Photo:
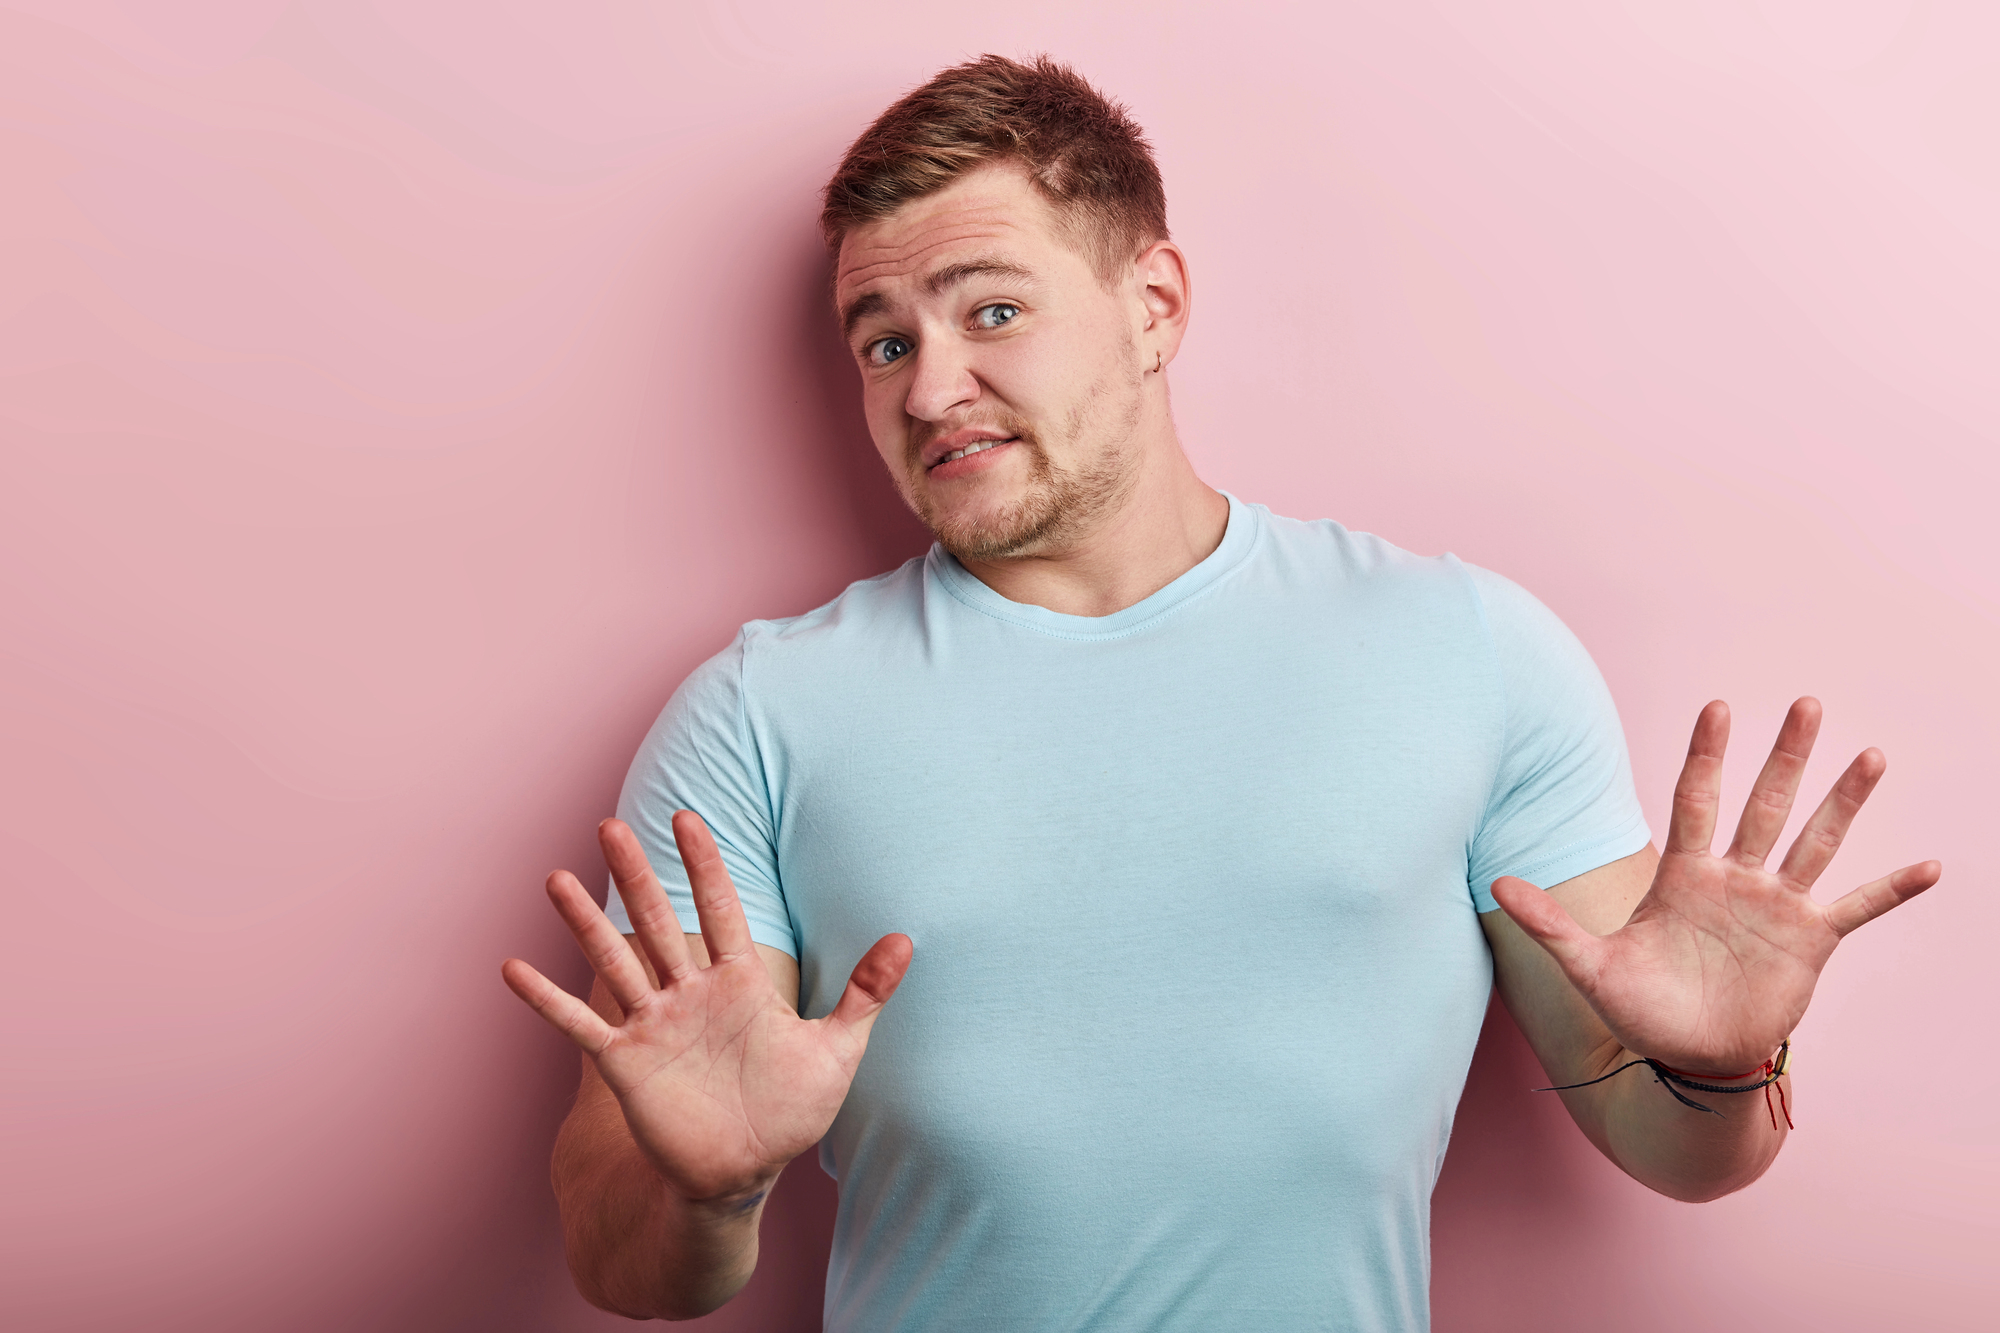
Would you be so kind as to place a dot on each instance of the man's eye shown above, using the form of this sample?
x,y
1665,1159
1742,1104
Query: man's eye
x,y
993,316
884,350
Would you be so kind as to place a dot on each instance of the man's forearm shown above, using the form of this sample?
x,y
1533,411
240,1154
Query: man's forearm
x,y
1674,1149
1634,1121
635,1247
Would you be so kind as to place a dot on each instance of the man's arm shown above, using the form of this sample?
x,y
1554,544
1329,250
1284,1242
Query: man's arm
x,y
1702,961
702,1081
634,1246
1632,1119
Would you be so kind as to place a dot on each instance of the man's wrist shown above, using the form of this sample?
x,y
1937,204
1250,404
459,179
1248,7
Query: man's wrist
x,y
1705,1076
1772,1066
736,1204
728,1204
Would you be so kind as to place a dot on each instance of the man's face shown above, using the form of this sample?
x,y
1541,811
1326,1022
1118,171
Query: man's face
x,y
1002,378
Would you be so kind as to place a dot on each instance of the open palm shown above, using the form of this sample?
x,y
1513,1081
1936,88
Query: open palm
x,y
1717,963
720,1080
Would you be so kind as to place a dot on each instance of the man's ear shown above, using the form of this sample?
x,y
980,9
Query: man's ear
x,y
1162,275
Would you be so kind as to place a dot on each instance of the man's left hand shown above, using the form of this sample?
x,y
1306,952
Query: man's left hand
x,y
1717,963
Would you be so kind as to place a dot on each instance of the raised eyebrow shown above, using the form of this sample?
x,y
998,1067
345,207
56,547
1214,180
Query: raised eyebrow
x,y
874,303
953,274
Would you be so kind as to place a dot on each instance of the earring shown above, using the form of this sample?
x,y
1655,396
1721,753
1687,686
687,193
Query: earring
x,y
1158,362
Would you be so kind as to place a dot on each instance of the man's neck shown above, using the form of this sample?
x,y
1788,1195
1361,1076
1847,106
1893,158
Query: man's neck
x,y
1169,522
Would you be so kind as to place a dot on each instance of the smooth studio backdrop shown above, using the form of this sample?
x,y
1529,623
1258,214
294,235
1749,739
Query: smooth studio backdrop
x,y
398,399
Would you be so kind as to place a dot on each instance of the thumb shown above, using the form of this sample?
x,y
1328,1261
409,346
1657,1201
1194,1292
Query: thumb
x,y
870,985
1577,952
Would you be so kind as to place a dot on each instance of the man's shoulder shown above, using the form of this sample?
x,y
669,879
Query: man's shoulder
x,y
866,611
1327,553
822,644
1432,599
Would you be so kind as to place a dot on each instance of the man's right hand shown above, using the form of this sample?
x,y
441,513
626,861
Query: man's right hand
x,y
720,1081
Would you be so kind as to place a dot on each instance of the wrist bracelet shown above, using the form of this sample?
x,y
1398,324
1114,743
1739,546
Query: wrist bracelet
x,y
1668,1077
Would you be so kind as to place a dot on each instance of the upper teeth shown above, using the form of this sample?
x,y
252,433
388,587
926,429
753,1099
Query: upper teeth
x,y
980,447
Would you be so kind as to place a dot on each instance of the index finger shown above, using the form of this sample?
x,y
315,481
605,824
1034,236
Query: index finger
x,y
723,928
1691,828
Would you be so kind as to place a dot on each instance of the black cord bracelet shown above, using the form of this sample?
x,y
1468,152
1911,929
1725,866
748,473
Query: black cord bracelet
x,y
1673,1080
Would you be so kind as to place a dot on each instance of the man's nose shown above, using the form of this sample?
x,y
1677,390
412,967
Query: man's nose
x,y
942,380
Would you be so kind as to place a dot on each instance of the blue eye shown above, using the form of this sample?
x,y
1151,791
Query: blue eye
x,y
884,350
993,316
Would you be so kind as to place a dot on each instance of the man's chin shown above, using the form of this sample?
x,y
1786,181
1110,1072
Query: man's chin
x,y
1013,528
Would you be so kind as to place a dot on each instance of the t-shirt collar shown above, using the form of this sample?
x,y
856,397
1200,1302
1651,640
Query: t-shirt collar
x,y
1238,539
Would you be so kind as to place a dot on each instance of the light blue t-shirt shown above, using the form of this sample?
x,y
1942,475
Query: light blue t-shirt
x,y
1193,889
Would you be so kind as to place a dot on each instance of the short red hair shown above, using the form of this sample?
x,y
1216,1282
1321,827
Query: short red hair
x,y
1082,150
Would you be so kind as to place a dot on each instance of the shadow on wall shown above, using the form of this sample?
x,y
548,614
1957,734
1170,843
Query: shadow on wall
x,y
1520,1185
504,1269
786,1293
856,482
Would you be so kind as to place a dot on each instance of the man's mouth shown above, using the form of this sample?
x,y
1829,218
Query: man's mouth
x,y
976,447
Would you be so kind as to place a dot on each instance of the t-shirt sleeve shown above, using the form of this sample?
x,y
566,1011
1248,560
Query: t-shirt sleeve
x,y
1562,801
701,756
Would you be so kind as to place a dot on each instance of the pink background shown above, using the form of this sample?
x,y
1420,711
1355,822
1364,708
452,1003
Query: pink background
x,y
398,399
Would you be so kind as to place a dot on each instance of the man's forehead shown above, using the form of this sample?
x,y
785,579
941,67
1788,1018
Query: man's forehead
x,y
920,248
995,209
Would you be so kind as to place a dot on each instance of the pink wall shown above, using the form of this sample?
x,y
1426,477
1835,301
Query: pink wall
x,y
397,400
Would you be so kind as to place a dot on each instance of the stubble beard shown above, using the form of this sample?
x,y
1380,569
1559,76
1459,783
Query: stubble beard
x,y
1058,504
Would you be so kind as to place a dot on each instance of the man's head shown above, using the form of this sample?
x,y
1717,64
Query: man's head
x,y
1005,281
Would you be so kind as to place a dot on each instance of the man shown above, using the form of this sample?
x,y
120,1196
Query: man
x,y
1193,837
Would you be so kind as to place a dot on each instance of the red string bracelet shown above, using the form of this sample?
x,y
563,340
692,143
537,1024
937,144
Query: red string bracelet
x,y
1766,1074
